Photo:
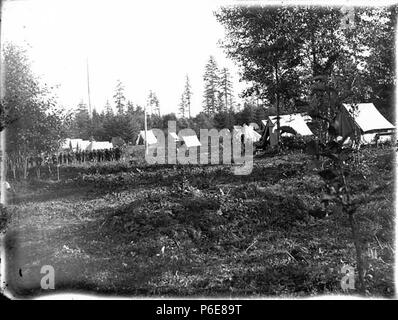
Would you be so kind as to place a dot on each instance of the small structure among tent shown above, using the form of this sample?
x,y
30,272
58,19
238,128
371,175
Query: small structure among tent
x,y
363,122
83,145
74,144
71,144
307,118
236,131
290,124
118,142
174,136
99,145
247,132
254,125
151,138
191,141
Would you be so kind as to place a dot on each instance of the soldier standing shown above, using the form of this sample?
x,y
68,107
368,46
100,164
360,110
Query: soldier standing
x,y
117,153
78,158
54,159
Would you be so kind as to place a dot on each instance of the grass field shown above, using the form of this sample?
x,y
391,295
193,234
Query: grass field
x,y
123,229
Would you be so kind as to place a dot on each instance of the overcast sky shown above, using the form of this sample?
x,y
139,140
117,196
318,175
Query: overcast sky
x,y
148,45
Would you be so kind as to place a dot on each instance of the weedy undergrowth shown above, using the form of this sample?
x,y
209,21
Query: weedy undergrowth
x,y
335,163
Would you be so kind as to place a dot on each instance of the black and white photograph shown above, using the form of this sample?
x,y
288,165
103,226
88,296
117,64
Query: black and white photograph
x,y
197,150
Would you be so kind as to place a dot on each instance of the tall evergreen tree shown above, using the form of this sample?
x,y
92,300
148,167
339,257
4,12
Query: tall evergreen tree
x,y
130,107
81,126
211,80
153,103
108,109
119,98
182,106
226,91
97,121
187,96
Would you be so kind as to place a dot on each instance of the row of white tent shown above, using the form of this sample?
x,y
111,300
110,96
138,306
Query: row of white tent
x,y
85,145
361,120
366,121
246,131
189,141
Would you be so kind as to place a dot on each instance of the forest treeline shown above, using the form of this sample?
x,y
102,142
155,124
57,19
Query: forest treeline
x,y
293,59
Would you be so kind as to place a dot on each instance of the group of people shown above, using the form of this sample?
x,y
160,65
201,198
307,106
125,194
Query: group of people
x,y
70,157
19,166
73,157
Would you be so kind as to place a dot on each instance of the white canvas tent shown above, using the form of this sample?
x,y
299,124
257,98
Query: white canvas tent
x,y
74,143
151,138
237,131
290,121
84,144
191,141
254,125
306,118
363,120
99,145
77,144
174,136
368,118
248,133
295,121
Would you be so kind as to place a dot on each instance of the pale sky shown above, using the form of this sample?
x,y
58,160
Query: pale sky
x,y
148,45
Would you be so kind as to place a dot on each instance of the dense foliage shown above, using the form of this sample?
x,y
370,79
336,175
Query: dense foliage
x,y
37,125
282,49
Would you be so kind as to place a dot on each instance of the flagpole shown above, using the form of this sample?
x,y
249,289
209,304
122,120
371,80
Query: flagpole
x,y
88,89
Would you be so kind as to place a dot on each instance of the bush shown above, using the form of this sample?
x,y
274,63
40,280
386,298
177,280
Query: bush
x,y
293,143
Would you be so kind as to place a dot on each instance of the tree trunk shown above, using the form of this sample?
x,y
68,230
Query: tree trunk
x,y
277,108
355,236
358,249
278,124
13,168
25,168
38,172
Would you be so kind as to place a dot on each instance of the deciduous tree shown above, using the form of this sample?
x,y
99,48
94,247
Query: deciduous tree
x,y
39,125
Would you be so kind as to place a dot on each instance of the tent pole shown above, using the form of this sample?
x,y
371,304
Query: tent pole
x,y
277,108
3,167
